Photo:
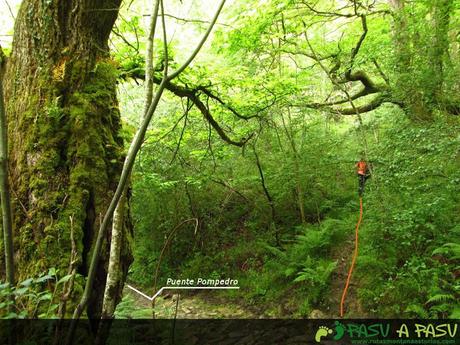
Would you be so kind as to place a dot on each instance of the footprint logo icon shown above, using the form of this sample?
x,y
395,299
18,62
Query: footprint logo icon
x,y
322,332
339,330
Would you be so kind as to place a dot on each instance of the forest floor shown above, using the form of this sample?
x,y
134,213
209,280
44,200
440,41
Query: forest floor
x,y
188,307
199,306
343,255
207,305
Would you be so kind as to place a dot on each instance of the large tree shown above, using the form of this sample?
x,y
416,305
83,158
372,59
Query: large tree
x,y
66,152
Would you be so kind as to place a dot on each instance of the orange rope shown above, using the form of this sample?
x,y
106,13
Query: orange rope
x,y
355,255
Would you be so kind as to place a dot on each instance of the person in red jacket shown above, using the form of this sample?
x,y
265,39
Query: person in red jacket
x,y
362,169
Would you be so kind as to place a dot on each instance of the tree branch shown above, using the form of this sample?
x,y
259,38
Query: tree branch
x,y
199,46
189,20
207,115
372,105
326,13
349,76
192,95
149,57
211,95
185,116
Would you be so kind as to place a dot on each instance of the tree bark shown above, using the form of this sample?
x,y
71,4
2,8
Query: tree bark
x,y
4,184
66,150
439,50
421,56
114,286
128,164
296,164
268,196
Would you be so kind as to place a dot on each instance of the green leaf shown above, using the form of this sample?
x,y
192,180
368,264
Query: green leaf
x,y
418,310
65,279
44,278
46,297
11,315
22,314
27,282
455,314
21,291
52,271
4,286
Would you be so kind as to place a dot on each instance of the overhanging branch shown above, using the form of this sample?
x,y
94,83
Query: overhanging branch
x,y
213,96
193,96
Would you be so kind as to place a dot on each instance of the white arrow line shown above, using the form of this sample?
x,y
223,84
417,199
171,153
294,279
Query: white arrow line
x,y
181,287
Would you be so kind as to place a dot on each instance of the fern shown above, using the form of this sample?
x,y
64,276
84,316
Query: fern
x,y
274,251
317,275
451,250
418,310
455,313
440,298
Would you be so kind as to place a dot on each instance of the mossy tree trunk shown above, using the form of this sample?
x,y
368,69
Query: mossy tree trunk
x,y
66,151
439,50
422,55
5,198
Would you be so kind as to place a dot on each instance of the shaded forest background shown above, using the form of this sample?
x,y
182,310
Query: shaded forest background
x,y
247,169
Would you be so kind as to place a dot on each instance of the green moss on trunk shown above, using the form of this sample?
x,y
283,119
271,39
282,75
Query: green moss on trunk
x,y
66,152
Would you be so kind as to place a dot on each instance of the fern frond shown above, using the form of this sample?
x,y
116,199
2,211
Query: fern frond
x,y
450,250
440,298
418,310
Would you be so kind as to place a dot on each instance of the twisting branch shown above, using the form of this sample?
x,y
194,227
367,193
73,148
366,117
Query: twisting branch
x,y
193,96
334,81
372,105
369,87
210,94
359,94
207,115
359,75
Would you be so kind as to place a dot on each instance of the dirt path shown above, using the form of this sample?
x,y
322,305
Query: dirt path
x,y
353,307
188,307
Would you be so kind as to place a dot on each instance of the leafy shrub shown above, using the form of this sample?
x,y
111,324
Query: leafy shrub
x,y
32,297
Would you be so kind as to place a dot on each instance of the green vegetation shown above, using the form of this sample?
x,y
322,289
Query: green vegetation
x,y
291,250
247,170
404,267
31,300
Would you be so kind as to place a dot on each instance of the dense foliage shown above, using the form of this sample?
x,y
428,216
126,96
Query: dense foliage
x,y
248,169
279,213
